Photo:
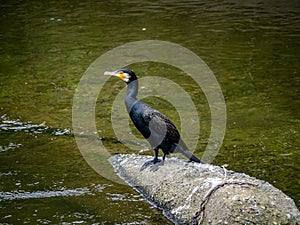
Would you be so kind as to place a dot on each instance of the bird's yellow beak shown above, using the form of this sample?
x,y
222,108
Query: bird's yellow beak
x,y
115,73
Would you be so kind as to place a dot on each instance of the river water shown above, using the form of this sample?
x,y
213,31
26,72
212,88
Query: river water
x,y
252,47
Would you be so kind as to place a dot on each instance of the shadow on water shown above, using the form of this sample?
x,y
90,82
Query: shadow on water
x,y
252,47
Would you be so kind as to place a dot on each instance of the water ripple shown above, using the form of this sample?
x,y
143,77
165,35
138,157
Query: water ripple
x,y
10,146
7,124
14,195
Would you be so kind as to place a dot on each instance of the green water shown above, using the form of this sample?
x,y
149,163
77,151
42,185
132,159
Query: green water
x,y
252,48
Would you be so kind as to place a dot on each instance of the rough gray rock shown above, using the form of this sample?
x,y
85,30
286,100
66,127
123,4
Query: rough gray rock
x,y
190,193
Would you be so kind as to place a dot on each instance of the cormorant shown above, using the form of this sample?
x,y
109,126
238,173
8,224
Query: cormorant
x,y
159,131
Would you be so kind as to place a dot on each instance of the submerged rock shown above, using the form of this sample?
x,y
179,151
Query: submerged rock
x,y
191,193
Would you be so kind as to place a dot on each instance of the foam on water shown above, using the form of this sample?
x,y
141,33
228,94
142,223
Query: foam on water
x,y
63,192
7,124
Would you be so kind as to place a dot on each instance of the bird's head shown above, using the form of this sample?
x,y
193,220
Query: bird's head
x,y
125,74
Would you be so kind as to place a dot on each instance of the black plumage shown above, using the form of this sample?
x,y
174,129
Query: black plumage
x,y
159,131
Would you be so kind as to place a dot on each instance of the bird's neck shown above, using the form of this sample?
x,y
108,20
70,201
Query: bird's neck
x,y
132,89
130,98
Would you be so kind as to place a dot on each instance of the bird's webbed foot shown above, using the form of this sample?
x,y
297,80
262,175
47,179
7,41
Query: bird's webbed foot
x,y
154,164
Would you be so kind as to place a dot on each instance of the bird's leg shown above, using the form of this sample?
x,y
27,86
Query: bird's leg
x,y
164,157
155,166
152,162
155,160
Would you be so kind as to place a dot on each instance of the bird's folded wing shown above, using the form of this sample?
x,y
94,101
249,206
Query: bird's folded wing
x,y
160,124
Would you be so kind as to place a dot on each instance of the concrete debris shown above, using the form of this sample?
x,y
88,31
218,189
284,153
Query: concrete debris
x,y
191,193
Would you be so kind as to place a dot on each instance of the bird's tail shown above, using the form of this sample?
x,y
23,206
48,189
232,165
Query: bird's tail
x,y
183,149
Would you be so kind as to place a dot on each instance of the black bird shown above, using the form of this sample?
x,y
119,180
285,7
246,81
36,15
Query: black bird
x,y
159,131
